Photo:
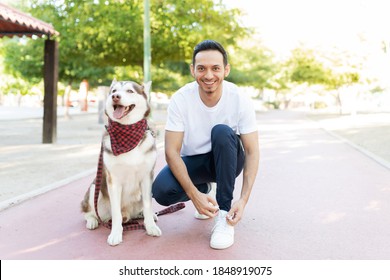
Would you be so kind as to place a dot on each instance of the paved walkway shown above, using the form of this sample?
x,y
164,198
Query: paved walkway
x,y
369,133
32,168
316,197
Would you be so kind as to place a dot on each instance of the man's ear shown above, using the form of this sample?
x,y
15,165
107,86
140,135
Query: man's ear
x,y
227,70
192,70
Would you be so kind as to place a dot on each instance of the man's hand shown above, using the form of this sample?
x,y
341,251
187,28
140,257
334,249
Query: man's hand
x,y
205,204
236,212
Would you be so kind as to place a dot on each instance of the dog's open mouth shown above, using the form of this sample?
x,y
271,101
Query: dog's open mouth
x,y
121,111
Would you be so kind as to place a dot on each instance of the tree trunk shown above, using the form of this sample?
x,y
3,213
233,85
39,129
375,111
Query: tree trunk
x,y
84,87
68,89
338,98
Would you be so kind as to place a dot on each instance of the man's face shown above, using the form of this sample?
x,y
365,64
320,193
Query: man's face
x,y
209,71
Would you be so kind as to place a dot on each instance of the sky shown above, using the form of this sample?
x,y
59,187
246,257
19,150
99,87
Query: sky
x,y
283,24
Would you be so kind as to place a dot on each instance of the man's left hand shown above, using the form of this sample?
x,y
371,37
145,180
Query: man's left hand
x,y
236,212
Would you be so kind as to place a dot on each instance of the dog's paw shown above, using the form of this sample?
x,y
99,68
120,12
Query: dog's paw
x,y
92,223
114,238
153,230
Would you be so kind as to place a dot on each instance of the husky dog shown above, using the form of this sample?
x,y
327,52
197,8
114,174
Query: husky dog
x,y
127,172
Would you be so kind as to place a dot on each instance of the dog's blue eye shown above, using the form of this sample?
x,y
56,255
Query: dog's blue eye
x,y
114,90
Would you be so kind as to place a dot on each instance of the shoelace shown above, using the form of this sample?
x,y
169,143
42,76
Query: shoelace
x,y
220,224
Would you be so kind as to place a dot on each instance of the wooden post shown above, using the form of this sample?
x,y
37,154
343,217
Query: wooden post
x,y
50,98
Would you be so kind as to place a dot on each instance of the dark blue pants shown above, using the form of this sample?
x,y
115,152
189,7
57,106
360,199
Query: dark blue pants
x,y
222,165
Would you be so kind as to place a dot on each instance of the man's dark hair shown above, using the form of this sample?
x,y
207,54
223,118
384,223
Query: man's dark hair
x,y
210,45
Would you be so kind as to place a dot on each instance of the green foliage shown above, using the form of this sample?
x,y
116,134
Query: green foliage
x,y
103,39
177,26
281,81
168,81
99,37
167,78
305,68
252,65
337,80
377,89
129,73
24,58
19,86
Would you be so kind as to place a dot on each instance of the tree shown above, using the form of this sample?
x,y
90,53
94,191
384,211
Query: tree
x,y
302,68
97,37
177,26
252,65
331,70
306,68
342,77
14,81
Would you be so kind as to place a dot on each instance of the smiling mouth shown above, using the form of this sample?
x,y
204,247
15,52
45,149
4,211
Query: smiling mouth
x,y
121,111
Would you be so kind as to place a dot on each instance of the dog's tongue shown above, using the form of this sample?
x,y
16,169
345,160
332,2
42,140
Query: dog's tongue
x,y
119,112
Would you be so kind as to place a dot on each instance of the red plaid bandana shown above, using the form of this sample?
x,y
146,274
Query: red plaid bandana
x,y
124,138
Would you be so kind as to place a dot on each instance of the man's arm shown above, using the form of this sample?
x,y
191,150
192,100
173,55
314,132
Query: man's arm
x,y
173,142
250,142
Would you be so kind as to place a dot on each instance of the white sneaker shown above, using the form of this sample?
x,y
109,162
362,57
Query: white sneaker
x,y
212,193
200,216
222,235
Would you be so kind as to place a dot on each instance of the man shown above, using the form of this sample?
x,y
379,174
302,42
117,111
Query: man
x,y
210,136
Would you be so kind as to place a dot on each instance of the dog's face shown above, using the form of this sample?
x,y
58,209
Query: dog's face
x,y
127,102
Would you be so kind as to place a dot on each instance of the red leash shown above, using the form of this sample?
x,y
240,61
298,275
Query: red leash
x,y
136,224
132,224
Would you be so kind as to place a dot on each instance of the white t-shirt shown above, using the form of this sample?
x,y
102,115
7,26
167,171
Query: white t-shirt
x,y
187,113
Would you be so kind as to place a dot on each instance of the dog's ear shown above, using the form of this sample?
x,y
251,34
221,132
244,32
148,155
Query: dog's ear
x,y
147,86
113,83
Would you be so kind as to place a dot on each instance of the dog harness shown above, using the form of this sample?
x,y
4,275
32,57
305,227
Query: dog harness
x,y
124,138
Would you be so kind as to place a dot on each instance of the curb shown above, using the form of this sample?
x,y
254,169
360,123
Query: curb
x,y
362,150
369,154
21,198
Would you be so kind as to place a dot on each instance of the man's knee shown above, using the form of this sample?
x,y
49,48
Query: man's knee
x,y
222,134
165,191
160,195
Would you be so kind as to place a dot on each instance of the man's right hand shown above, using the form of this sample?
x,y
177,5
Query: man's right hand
x,y
205,204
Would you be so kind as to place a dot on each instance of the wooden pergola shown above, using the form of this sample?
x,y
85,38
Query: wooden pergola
x,y
16,23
